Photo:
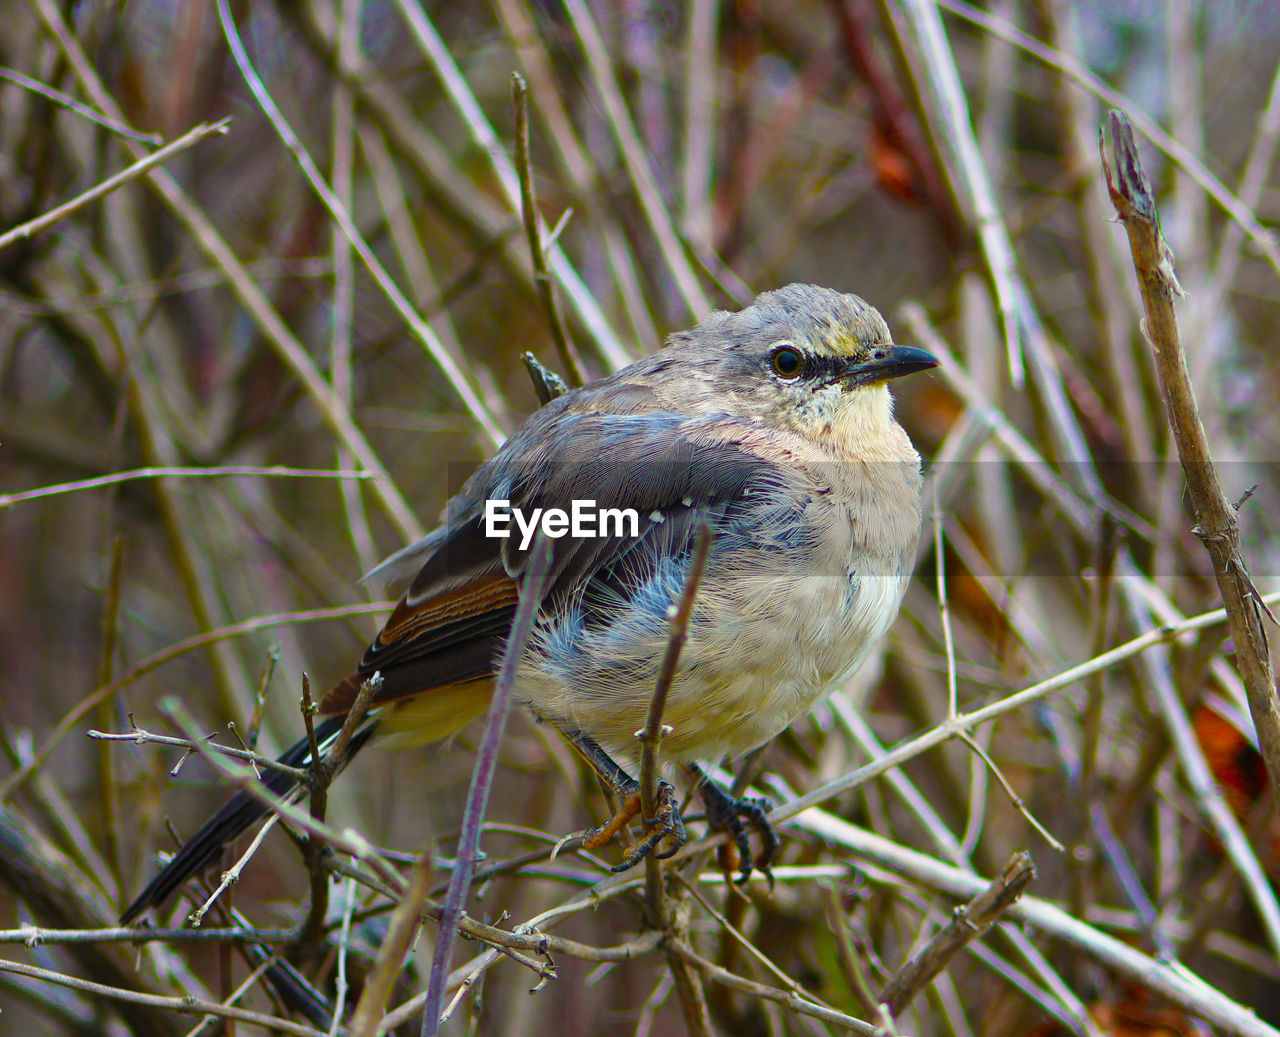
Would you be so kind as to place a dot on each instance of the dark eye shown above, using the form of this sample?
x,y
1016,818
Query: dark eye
x,y
787,362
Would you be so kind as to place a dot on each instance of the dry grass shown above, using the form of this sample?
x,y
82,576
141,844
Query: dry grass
x,y
348,289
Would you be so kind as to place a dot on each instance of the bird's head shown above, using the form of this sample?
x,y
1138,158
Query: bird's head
x,y
812,360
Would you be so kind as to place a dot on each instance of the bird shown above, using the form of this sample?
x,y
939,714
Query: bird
x,y
773,428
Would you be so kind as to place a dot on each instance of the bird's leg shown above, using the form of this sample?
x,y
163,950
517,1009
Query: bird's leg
x,y
734,814
667,826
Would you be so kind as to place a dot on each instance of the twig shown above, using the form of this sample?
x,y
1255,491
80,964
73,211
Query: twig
x,y
320,774
975,185
855,976
347,841
1017,800
109,791
546,383
179,648
1144,601
260,699
533,231
634,159
141,737
1216,523
232,875
944,607
401,930
790,1000
246,289
969,923
53,889
112,183
532,589
337,757
342,174
736,935
652,734
7,500
699,97
965,721
1257,170
311,931
1259,236
420,329
693,999
83,110
580,167
435,49
1163,978
186,1005
340,984
34,935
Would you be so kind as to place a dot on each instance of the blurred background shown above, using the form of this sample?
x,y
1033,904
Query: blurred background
x,y
939,160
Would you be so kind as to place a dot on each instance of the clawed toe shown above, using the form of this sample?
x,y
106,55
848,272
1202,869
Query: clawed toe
x,y
666,827
735,815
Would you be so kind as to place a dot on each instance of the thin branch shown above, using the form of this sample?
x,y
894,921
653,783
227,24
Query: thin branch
x,y
186,1005
651,735
232,875
855,975
1216,523
438,53
1167,979
246,289
1259,236
533,231
967,925
319,775
112,183
1017,800
792,1001
401,931
83,110
532,589
274,472
638,166
420,329
966,721
347,841
34,935
975,184
179,648
141,737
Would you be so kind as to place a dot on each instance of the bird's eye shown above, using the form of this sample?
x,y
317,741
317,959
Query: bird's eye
x,y
787,362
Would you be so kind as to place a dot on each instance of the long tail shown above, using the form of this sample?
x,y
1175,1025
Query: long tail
x,y
239,813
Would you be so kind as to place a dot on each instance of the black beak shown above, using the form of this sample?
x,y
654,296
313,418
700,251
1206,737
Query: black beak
x,y
888,362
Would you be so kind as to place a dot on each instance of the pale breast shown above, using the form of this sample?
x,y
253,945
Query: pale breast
x,y
778,622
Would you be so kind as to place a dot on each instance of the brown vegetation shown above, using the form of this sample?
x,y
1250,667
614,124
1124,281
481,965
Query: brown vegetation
x,y
279,346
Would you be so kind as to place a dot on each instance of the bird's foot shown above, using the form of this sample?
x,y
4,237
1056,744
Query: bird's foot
x,y
666,827
735,815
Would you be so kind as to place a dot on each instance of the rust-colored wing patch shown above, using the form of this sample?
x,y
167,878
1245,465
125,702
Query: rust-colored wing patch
x,y
447,639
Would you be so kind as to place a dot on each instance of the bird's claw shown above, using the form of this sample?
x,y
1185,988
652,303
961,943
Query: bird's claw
x,y
666,826
734,815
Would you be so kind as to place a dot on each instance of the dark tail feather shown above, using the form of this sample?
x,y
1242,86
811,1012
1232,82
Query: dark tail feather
x,y
241,812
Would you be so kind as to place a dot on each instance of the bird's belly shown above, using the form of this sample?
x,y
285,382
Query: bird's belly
x,y
761,653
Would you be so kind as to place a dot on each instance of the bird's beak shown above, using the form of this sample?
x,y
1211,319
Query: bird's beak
x,y
888,362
